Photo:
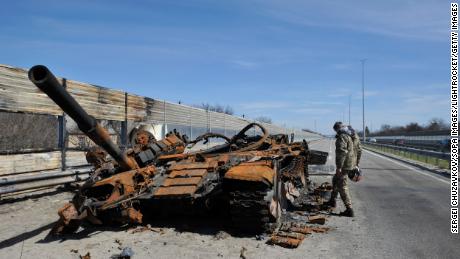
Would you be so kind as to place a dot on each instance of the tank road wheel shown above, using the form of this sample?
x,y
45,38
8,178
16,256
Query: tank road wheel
x,y
253,207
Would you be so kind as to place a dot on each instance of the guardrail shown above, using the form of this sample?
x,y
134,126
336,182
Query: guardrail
x,y
430,153
419,140
440,158
44,179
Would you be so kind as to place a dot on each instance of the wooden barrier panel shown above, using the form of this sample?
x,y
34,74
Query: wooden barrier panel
x,y
23,163
18,94
75,158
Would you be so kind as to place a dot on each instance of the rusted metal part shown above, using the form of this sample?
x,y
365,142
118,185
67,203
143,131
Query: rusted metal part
x,y
134,216
188,173
290,173
286,242
96,156
291,235
101,137
143,138
130,180
147,228
303,228
256,172
249,176
252,146
174,142
192,165
208,136
68,220
114,190
256,176
317,219
173,157
175,191
182,181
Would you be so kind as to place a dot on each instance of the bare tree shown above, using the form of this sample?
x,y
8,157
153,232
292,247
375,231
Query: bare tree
x,y
264,119
215,108
413,127
229,110
437,124
433,124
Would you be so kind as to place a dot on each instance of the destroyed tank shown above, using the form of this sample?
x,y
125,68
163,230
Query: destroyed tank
x,y
252,179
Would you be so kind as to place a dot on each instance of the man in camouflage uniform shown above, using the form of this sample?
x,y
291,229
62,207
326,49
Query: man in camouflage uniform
x,y
356,144
345,160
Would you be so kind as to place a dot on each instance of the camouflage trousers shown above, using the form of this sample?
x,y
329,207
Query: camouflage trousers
x,y
339,185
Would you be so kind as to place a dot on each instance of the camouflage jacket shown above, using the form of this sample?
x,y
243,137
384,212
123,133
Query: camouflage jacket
x,y
357,147
345,157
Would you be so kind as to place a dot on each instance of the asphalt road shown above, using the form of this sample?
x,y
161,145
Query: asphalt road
x,y
401,212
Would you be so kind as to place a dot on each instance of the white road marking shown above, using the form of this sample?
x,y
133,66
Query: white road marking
x,y
408,167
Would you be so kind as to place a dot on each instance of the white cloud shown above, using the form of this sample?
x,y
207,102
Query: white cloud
x,y
325,103
244,63
367,93
312,111
264,105
409,19
343,66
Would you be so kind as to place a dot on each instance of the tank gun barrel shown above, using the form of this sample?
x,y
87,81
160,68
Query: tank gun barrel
x,y
42,77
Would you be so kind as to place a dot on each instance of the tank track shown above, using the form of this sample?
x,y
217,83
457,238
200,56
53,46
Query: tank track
x,y
250,207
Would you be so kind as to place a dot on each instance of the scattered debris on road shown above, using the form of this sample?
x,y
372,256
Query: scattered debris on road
x,y
127,253
291,235
221,235
256,180
317,219
242,253
139,229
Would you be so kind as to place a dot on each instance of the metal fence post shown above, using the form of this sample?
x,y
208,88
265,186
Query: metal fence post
x,y
165,130
190,117
210,121
124,126
225,124
62,134
62,140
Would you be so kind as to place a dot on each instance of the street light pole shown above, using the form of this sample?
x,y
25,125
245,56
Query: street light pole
x,y
362,84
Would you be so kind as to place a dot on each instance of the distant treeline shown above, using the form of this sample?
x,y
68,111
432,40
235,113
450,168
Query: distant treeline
x,y
434,124
228,110
215,108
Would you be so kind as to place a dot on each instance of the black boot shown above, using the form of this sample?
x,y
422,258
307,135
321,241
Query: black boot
x,y
347,213
331,203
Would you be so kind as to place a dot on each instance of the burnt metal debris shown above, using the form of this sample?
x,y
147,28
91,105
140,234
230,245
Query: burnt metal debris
x,y
253,179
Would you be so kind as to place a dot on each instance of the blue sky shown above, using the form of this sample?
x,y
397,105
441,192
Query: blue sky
x,y
294,61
